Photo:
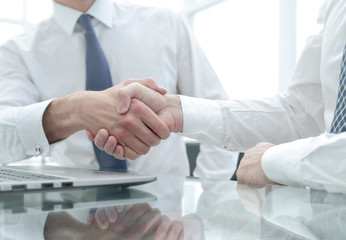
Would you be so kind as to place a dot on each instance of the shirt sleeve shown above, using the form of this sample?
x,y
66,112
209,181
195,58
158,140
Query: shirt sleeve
x,y
21,110
196,78
317,162
241,124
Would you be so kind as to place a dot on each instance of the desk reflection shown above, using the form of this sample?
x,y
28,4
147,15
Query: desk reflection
x,y
296,213
174,208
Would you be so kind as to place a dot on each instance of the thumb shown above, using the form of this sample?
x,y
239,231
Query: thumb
x,y
153,99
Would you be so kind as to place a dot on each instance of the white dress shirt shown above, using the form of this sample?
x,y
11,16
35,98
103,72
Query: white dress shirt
x,y
138,42
305,110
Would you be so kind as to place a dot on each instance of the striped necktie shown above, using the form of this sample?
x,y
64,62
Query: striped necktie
x,y
98,78
339,120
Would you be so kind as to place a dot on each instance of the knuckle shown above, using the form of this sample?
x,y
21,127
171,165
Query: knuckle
x,y
164,131
118,154
150,81
145,150
136,106
133,156
155,142
145,206
121,92
98,144
128,82
123,134
108,151
128,122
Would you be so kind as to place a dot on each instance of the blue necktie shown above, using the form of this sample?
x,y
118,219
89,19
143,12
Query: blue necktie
x,y
339,120
98,78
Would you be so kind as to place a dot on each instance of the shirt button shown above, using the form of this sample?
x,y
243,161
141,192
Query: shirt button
x,y
38,150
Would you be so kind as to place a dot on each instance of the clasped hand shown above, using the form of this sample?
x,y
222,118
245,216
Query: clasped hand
x,y
142,117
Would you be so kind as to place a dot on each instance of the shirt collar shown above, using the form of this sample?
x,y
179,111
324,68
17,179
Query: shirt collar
x,y
67,17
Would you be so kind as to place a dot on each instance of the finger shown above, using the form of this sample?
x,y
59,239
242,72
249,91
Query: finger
x,y
135,90
130,154
151,127
110,145
150,83
90,135
101,138
142,129
157,126
125,94
101,218
112,214
133,214
153,122
175,231
130,141
149,221
119,152
120,208
91,219
162,230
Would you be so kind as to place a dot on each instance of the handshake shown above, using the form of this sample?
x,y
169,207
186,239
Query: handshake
x,y
128,119
125,120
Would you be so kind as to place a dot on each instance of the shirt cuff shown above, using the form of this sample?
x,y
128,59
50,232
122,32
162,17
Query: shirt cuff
x,y
30,129
281,163
200,115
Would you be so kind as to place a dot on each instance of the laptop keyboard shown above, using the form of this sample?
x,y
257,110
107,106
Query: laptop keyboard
x,y
10,175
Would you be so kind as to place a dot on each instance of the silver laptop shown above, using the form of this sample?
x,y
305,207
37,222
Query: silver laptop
x,y
23,178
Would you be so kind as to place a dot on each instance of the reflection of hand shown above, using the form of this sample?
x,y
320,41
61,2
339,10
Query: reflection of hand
x,y
139,128
105,216
168,109
138,221
61,225
252,197
250,169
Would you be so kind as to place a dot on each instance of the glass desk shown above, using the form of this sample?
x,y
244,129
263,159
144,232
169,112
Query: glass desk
x,y
174,208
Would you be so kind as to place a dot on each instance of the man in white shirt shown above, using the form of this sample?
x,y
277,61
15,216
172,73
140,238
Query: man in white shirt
x,y
298,122
44,106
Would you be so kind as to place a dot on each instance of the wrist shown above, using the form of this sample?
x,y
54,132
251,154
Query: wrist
x,y
174,107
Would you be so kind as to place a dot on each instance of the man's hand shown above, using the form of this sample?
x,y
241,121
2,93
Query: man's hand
x,y
250,168
167,107
136,130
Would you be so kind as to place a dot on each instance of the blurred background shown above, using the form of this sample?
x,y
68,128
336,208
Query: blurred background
x,y
253,45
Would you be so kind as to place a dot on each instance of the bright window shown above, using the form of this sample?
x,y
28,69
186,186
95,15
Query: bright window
x,y
242,45
241,38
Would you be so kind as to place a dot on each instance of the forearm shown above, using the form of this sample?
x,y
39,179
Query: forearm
x,y
241,124
313,162
62,117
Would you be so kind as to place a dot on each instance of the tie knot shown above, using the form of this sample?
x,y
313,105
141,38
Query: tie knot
x,y
85,22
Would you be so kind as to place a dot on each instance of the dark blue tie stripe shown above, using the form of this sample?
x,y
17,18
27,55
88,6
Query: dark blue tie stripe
x,y
98,78
339,121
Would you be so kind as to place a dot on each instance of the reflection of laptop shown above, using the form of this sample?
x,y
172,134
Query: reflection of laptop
x,y
21,178
36,202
